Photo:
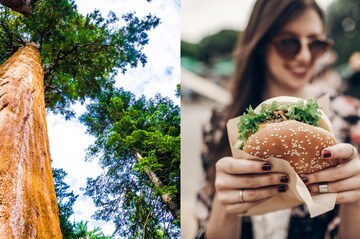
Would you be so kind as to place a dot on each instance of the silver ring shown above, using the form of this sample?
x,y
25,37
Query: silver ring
x,y
353,152
242,196
323,188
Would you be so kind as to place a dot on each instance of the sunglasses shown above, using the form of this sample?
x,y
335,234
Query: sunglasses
x,y
289,47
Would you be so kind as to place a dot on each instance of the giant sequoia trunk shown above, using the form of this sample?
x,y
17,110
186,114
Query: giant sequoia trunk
x,y
28,206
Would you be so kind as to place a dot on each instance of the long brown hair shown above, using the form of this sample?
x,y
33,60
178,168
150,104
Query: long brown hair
x,y
267,19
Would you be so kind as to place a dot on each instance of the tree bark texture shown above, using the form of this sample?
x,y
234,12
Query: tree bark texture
x,y
28,206
166,198
21,6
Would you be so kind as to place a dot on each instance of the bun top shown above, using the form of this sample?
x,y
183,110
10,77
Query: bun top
x,y
324,121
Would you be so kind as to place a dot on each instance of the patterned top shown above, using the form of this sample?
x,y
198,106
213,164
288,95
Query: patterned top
x,y
345,116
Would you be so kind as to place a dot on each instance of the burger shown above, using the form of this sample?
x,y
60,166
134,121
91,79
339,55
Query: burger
x,y
289,128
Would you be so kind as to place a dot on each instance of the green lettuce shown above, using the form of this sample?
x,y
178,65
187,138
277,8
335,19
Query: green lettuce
x,y
250,121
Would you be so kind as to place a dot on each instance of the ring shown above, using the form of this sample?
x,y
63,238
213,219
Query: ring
x,y
353,152
242,196
323,188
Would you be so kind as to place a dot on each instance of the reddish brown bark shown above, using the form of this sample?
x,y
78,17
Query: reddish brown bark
x,y
22,6
28,206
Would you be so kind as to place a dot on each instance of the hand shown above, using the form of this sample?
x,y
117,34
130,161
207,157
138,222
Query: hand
x,y
253,177
343,179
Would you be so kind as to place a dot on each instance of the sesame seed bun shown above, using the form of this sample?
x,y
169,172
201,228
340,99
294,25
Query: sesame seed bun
x,y
299,143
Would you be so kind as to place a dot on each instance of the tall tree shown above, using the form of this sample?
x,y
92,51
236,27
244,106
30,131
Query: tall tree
x,y
80,54
27,196
138,145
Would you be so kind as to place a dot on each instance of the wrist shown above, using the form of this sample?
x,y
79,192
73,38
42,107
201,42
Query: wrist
x,y
223,224
351,206
350,216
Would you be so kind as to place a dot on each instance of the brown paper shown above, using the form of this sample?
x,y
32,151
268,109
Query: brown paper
x,y
324,102
297,192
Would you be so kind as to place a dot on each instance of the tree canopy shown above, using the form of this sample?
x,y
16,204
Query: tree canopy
x,y
138,146
137,140
81,54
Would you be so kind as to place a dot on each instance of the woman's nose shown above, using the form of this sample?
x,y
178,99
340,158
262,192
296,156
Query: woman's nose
x,y
304,54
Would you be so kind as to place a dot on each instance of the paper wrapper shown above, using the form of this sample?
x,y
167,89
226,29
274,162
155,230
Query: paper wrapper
x,y
297,192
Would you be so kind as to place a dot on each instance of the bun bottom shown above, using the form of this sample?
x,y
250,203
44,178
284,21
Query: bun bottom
x,y
299,143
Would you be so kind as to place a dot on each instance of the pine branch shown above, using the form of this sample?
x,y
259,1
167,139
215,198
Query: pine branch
x,y
175,211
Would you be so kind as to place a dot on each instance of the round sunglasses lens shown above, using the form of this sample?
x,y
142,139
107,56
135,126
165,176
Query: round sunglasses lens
x,y
317,48
288,48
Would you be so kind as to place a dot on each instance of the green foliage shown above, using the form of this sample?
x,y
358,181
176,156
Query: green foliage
x,y
66,200
80,54
343,18
136,138
211,48
212,55
218,45
189,49
178,90
81,231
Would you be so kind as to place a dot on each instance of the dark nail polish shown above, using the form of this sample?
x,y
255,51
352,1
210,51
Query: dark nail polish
x,y
284,179
266,167
326,153
282,188
304,179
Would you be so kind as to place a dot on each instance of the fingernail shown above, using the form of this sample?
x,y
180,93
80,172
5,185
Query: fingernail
x,y
284,179
282,188
266,167
326,153
304,179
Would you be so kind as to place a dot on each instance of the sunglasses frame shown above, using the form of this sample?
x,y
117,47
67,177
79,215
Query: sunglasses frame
x,y
328,43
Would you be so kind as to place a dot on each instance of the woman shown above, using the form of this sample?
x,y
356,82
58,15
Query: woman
x,y
275,56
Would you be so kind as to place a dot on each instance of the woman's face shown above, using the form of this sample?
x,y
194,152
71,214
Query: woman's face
x,y
292,73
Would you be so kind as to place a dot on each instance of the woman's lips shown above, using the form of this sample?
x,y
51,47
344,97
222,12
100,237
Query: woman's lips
x,y
298,72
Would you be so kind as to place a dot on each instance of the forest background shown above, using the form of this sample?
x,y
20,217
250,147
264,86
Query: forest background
x,y
134,139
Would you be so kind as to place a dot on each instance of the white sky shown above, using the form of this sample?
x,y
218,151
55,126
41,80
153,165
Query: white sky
x,y
200,18
68,140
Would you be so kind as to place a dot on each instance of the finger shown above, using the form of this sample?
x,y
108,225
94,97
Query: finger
x,y
348,184
348,197
230,181
332,174
242,166
241,208
344,152
249,195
